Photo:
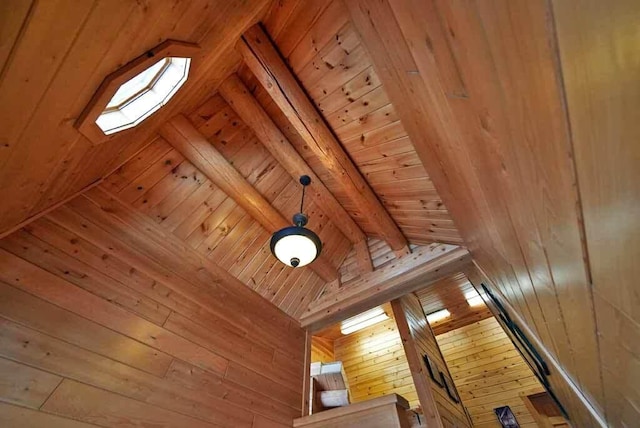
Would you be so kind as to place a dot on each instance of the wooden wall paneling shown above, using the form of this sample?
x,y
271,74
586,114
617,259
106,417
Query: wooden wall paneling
x,y
264,61
96,406
502,220
65,295
14,15
78,364
597,59
450,293
26,386
45,244
375,363
561,384
334,17
399,86
143,160
380,254
405,275
552,204
136,261
48,79
21,417
116,219
183,135
25,309
418,340
322,350
113,360
287,21
213,386
471,354
298,23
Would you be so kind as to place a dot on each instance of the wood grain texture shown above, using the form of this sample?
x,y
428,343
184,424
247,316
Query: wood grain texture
x,y
375,363
418,340
488,372
598,59
389,411
450,293
336,73
192,144
500,165
184,202
252,113
266,64
211,362
395,279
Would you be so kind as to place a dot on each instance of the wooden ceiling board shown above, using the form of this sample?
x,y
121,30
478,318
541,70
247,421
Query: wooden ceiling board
x,y
449,293
500,154
41,95
161,184
335,70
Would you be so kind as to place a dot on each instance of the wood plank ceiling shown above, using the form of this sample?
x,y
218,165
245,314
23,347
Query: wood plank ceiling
x,y
151,172
508,105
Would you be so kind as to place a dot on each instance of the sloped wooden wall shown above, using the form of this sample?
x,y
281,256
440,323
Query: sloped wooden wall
x,y
375,363
488,372
108,320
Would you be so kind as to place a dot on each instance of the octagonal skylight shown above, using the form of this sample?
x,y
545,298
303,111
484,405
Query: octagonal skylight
x,y
142,95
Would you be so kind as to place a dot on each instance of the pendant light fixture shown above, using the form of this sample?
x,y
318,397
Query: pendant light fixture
x,y
297,246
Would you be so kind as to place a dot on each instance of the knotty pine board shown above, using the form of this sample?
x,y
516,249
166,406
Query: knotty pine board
x,y
198,348
471,353
375,363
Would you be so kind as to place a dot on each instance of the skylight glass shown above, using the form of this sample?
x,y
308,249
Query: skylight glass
x,y
144,94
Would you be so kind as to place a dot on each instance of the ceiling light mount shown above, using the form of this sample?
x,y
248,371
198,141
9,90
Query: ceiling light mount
x,y
297,246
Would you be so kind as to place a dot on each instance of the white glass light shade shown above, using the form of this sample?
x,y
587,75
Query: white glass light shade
x,y
295,243
143,95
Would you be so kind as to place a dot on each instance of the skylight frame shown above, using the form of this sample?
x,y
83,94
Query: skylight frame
x,y
166,64
86,122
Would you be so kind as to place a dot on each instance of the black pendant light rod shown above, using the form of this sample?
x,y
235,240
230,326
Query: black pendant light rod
x,y
305,180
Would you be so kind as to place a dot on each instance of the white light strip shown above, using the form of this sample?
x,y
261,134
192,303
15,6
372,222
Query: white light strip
x,y
438,316
364,324
362,317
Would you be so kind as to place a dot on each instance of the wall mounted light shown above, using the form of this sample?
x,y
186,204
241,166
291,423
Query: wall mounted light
x,y
297,246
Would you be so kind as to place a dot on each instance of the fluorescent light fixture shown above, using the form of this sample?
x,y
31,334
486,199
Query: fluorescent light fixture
x,y
473,298
365,319
438,316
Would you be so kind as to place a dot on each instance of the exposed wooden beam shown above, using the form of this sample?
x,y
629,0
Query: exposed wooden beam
x,y
265,62
395,279
255,117
182,135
